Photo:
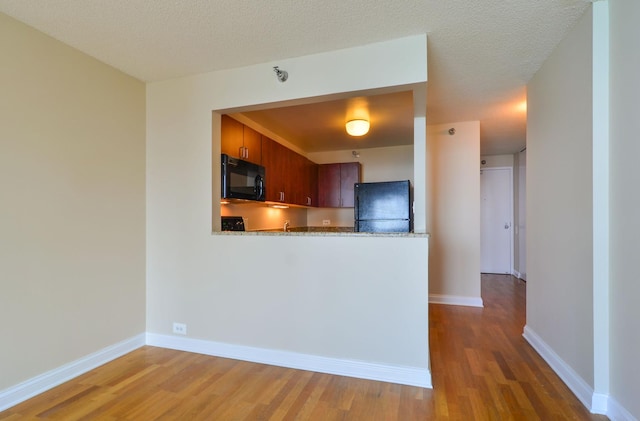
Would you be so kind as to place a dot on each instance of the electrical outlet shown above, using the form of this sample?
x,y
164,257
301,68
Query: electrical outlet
x,y
180,328
326,222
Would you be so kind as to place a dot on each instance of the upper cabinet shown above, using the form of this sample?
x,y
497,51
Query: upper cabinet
x,y
290,177
310,192
240,141
335,184
274,161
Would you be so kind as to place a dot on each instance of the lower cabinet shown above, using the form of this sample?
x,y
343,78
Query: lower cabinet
x,y
335,184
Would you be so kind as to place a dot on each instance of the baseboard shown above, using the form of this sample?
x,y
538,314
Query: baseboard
x,y
578,386
617,412
455,300
43,382
411,376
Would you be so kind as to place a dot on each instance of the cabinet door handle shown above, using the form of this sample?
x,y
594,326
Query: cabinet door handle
x,y
246,153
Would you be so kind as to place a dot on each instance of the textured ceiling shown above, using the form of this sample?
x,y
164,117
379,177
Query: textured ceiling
x,y
481,53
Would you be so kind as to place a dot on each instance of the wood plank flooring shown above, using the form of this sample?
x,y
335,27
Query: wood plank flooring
x,y
482,369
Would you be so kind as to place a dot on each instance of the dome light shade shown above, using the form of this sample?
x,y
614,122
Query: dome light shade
x,y
357,127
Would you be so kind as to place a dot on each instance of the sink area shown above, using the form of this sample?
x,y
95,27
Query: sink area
x,y
309,229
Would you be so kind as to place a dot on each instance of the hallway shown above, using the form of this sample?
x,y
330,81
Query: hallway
x,y
483,368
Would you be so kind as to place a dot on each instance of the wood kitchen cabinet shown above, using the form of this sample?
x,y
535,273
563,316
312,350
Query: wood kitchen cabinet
x,y
335,184
310,192
240,141
290,177
275,161
295,179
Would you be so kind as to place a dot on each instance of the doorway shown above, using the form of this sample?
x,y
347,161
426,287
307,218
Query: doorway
x,y
496,215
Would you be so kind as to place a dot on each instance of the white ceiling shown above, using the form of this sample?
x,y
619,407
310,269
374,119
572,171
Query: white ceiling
x,y
320,126
481,53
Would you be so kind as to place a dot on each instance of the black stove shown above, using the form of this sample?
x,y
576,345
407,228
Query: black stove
x,y
232,223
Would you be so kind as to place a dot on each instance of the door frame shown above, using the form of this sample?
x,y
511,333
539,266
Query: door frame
x,y
511,210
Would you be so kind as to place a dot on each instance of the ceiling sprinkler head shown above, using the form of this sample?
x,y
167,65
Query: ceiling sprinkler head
x,y
282,75
452,131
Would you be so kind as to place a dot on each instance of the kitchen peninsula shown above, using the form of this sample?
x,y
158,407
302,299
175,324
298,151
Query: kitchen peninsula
x,y
348,304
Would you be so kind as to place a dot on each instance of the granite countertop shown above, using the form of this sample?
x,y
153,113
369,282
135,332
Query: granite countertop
x,y
310,229
320,232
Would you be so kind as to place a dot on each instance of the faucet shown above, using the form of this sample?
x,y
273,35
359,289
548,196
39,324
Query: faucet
x,y
286,226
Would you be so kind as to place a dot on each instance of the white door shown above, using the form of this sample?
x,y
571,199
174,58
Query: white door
x,y
496,212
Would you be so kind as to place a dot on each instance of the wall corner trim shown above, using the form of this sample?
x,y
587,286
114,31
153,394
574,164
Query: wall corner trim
x,y
455,300
412,376
599,403
50,379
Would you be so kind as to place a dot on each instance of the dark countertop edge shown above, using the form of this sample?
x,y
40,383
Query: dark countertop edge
x,y
321,234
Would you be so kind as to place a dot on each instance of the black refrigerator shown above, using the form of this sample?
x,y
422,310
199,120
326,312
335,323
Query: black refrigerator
x,y
383,207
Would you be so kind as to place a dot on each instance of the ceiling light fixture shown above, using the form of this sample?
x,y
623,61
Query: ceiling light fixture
x,y
357,127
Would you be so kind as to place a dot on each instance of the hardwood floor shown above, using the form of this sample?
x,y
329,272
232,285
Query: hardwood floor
x,y
481,366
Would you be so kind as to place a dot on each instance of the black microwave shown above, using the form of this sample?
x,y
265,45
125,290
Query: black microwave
x,y
241,179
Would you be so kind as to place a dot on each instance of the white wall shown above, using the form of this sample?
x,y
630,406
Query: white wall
x,y
492,161
336,297
559,202
453,217
72,230
625,202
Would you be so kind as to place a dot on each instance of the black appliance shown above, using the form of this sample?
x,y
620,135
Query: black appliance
x,y
383,207
241,179
232,223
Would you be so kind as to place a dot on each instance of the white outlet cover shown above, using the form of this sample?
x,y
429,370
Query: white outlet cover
x,y
180,328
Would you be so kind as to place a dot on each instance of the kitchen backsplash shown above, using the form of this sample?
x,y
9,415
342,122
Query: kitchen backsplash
x,y
260,217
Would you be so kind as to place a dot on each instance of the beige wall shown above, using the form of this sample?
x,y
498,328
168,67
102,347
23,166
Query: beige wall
x,y
559,201
625,202
453,215
72,219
